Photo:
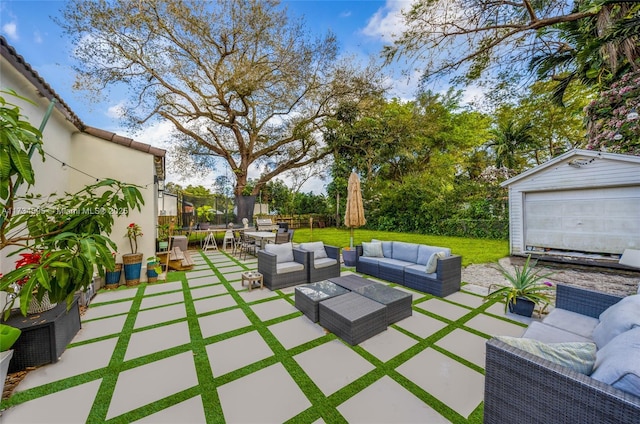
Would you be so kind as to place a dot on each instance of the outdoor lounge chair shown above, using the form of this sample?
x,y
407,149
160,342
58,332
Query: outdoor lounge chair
x,y
324,261
283,266
526,388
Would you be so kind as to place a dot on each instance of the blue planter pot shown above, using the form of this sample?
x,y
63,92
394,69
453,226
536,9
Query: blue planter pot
x,y
132,268
112,278
349,257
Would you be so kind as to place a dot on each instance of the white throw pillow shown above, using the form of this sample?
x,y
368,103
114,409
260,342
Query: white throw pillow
x,y
317,247
617,319
372,249
283,252
579,356
432,263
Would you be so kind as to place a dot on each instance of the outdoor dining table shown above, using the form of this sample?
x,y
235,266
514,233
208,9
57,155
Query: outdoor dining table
x,y
261,237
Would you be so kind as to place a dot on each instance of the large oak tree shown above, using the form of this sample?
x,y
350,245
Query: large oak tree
x,y
238,79
474,38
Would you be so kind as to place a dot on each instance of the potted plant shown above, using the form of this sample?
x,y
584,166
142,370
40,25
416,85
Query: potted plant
x,y
8,336
112,278
349,256
63,234
133,261
526,289
163,237
153,269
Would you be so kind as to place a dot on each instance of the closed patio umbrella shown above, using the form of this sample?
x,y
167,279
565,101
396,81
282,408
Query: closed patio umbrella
x,y
354,214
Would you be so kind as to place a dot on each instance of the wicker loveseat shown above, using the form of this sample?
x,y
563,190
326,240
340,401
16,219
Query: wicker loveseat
x,y
406,263
526,388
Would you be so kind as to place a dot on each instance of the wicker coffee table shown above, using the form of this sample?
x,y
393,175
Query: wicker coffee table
x,y
353,317
252,277
352,282
398,302
308,297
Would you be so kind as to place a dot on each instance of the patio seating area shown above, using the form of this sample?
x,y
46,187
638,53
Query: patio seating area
x,y
203,348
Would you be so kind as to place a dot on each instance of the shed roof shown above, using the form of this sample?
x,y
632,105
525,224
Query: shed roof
x,y
575,153
17,61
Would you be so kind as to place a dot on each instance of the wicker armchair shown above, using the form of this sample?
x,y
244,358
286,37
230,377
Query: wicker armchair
x,y
322,268
524,388
277,274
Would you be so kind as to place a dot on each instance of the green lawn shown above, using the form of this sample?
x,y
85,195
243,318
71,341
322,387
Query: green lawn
x,y
473,251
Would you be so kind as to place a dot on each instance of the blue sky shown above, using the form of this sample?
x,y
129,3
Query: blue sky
x,y
360,26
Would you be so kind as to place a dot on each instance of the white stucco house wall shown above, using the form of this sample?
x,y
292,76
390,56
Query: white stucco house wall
x,y
578,204
77,154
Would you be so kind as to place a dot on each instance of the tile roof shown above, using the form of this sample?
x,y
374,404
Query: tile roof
x,y
17,61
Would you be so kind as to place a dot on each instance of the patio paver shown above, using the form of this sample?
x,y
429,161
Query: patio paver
x,y
190,411
237,352
328,373
152,382
296,331
157,339
387,344
458,386
202,349
386,401
252,399
466,345
202,281
223,322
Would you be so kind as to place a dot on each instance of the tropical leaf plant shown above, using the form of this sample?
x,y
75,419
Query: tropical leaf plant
x,y
525,283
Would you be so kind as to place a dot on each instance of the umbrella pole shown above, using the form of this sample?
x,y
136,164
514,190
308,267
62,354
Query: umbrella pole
x,y
351,238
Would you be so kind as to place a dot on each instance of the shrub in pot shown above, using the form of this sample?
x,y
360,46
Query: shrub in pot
x,y
66,232
525,288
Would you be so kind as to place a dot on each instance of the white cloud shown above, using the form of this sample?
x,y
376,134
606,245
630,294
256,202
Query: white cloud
x,y
157,135
37,37
116,111
345,14
11,30
387,23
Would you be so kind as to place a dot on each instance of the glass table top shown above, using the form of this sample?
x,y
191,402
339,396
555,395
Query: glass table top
x,y
321,290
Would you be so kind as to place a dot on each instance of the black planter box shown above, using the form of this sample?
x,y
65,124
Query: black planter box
x,y
44,336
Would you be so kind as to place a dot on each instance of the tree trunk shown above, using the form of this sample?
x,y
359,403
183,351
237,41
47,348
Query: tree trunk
x,y
244,205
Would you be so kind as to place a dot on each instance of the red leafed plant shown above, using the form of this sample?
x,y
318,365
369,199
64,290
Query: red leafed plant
x,y
32,258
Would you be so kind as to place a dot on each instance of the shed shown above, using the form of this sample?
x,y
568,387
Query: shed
x,y
583,203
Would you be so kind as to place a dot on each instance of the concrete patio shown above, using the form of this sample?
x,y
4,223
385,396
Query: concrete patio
x,y
205,349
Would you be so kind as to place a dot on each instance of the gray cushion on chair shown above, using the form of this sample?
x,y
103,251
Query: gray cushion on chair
x,y
317,247
572,321
284,267
549,334
283,252
324,263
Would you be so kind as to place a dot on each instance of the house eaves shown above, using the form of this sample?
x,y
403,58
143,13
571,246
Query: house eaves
x,y
568,155
44,89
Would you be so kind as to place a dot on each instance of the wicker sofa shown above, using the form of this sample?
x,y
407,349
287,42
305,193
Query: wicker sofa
x,y
526,388
405,264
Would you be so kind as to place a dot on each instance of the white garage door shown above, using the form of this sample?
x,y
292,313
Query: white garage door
x,y
595,220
